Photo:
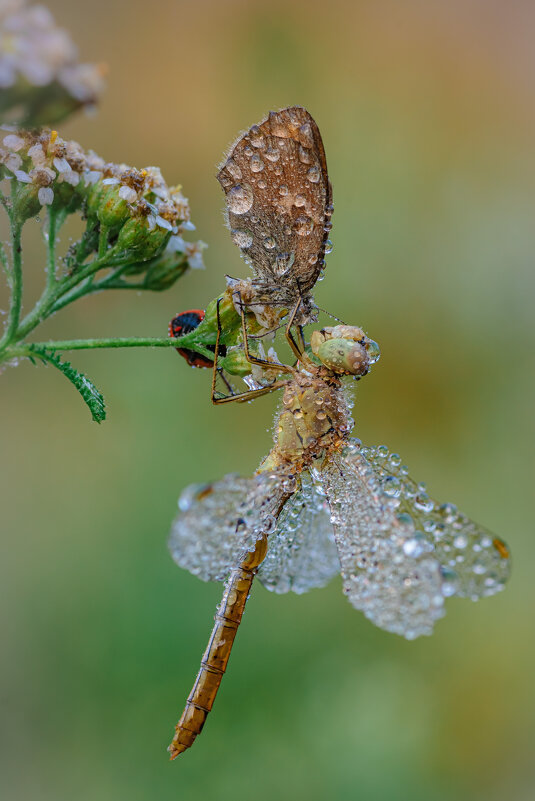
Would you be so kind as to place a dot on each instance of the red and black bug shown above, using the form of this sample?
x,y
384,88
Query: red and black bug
x,y
184,323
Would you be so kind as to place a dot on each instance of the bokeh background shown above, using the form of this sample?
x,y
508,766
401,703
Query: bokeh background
x,y
428,117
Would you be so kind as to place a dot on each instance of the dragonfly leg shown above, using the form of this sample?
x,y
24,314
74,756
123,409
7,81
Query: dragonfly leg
x,y
214,662
297,345
283,368
240,397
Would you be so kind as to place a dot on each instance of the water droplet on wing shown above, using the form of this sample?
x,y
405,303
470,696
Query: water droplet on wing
x,y
243,239
240,198
314,174
303,225
257,165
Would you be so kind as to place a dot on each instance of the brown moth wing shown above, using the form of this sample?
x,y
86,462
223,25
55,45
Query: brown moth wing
x,y
279,203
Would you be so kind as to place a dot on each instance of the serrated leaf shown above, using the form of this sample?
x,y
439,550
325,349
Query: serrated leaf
x,y
88,391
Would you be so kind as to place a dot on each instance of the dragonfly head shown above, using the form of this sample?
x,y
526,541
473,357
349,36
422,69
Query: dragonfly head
x,y
344,349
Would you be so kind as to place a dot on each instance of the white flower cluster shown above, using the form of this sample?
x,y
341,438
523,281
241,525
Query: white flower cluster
x,y
46,161
35,52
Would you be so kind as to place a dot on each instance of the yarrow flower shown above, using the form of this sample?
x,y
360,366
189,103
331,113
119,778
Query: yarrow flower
x,y
139,214
41,81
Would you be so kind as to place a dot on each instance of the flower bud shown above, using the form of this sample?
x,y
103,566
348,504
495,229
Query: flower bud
x,y
112,210
138,241
235,362
164,270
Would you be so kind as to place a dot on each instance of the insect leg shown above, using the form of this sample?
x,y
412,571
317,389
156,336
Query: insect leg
x,y
283,368
241,396
297,350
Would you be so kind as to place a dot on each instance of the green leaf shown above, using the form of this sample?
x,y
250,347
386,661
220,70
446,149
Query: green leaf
x,y
87,390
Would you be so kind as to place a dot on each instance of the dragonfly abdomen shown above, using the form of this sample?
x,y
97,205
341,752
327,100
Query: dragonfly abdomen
x,y
214,662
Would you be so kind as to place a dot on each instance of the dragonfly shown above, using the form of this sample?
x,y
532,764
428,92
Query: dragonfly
x,y
321,503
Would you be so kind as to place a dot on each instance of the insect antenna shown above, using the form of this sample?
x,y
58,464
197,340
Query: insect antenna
x,y
333,316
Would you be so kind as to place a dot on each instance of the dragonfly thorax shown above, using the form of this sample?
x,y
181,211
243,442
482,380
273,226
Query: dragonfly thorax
x,y
314,418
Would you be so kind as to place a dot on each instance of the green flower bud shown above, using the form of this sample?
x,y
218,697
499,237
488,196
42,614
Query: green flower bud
x,y
112,210
164,270
136,241
235,362
25,199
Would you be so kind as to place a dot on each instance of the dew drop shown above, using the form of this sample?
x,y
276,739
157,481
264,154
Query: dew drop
x,y
300,200
423,502
328,247
256,136
269,243
248,150
278,127
243,239
312,259
282,264
283,190
305,156
257,165
272,154
450,582
374,353
303,225
234,170
278,171
313,174
240,198
305,135
262,184
460,541
392,486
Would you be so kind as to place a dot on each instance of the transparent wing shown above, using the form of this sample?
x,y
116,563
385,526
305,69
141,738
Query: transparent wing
x,y
301,553
474,562
218,523
402,554
279,200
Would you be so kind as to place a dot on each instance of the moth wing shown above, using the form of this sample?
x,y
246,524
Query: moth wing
x,y
279,201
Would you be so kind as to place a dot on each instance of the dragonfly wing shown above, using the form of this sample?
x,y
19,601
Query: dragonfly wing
x,y
279,201
301,552
218,523
402,554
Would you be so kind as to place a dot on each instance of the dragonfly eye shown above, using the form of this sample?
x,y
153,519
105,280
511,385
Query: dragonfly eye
x,y
344,356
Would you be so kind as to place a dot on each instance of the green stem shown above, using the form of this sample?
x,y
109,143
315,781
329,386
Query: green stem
x,y
4,260
48,301
16,286
102,241
87,288
51,249
121,342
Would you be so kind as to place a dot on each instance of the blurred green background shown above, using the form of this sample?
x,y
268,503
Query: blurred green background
x,y
427,114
